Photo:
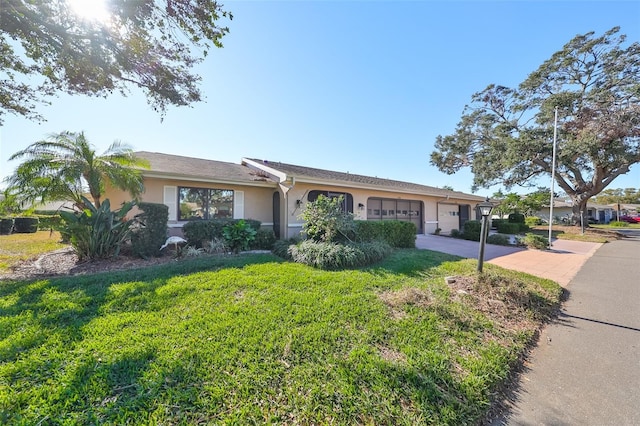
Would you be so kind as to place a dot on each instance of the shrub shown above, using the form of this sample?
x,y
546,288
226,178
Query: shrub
x,y
618,224
532,221
472,230
199,232
522,227
516,218
49,220
396,233
6,226
508,228
496,223
149,231
238,236
324,220
535,241
499,239
25,225
455,233
97,232
265,238
281,248
333,256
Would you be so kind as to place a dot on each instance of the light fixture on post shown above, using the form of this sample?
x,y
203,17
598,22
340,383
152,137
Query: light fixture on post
x,y
361,206
485,210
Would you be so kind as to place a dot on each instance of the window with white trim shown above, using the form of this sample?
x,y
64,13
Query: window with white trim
x,y
204,203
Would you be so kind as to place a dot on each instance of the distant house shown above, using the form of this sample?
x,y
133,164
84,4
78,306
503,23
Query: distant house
x,y
276,193
563,210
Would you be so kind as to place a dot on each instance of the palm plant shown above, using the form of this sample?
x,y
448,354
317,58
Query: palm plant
x,y
65,166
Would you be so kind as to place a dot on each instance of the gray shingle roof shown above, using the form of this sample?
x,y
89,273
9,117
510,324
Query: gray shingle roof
x,y
197,168
355,180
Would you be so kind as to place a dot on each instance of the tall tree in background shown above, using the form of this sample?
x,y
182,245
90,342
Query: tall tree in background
x,y
66,166
506,134
46,48
618,195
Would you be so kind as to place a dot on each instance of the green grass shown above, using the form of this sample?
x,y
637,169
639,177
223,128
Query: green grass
x,y
17,247
251,339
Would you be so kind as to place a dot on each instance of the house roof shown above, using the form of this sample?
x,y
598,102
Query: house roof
x,y
313,175
179,167
268,173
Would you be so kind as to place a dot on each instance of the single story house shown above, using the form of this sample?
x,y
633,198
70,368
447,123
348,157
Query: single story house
x,y
276,193
563,210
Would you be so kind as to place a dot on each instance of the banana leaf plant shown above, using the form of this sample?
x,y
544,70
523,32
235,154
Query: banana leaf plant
x,y
97,232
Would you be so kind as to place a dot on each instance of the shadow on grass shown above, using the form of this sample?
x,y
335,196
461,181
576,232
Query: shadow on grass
x,y
412,262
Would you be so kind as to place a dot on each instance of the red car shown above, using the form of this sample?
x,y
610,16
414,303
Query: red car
x,y
630,219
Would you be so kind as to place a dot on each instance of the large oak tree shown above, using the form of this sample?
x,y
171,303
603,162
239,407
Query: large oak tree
x,y
506,135
46,48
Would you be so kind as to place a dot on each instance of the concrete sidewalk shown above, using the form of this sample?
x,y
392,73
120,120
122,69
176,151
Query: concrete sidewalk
x,y
586,367
560,264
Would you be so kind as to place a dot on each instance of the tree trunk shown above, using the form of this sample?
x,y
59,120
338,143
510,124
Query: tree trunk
x,y
579,212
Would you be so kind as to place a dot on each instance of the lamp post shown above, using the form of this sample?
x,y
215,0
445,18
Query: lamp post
x,y
485,210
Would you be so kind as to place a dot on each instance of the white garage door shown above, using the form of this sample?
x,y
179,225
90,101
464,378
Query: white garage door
x,y
449,217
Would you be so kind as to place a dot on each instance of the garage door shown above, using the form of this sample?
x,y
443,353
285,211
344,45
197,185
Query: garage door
x,y
448,217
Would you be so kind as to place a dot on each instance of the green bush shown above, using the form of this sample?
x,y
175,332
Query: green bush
x,y
535,241
6,226
523,227
324,220
516,218
455,233
396,233
149,230
265,238
508,228
333,256
238,236
532,221
49,220
25,225
198,232
499,239
97,232
618,224
472,230
281,248
496,223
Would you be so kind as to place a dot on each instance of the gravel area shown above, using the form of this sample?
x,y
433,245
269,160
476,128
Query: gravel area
x,y
64,262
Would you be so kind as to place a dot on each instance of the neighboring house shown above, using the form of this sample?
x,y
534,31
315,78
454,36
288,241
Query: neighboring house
x,y
276,193
563,210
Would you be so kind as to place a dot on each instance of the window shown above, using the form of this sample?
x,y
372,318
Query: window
x,y
395,209
347,202
204,203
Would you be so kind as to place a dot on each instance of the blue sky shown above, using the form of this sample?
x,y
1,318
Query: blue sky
x,y
356,86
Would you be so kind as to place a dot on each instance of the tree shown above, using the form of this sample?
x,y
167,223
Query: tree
x,y
47,48
618,195
506,134
326,221
65,166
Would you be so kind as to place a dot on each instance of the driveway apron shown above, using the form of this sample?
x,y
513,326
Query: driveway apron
x,y
586,367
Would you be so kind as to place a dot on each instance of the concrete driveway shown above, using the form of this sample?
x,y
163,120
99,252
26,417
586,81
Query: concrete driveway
x,y
560,264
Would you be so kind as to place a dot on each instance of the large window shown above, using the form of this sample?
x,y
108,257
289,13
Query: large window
x,y
347,202
394,209
204,203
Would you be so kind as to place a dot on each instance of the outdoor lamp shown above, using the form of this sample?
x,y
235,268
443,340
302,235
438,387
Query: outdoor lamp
x,y
485,210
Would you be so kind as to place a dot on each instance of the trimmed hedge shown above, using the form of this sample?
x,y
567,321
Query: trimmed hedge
x,y
532,221
6,225
508,228
264,240
499,239
150,230
25,225
516,218
396,233
197,232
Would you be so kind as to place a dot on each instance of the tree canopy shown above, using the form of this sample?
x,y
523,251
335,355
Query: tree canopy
x,y
506,135
66,166
618,195
46,49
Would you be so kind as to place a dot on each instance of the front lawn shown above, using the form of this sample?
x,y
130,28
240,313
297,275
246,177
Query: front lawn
x,y
251,339
17,247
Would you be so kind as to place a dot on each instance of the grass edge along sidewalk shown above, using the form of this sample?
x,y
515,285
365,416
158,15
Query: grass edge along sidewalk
x,y
252,339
